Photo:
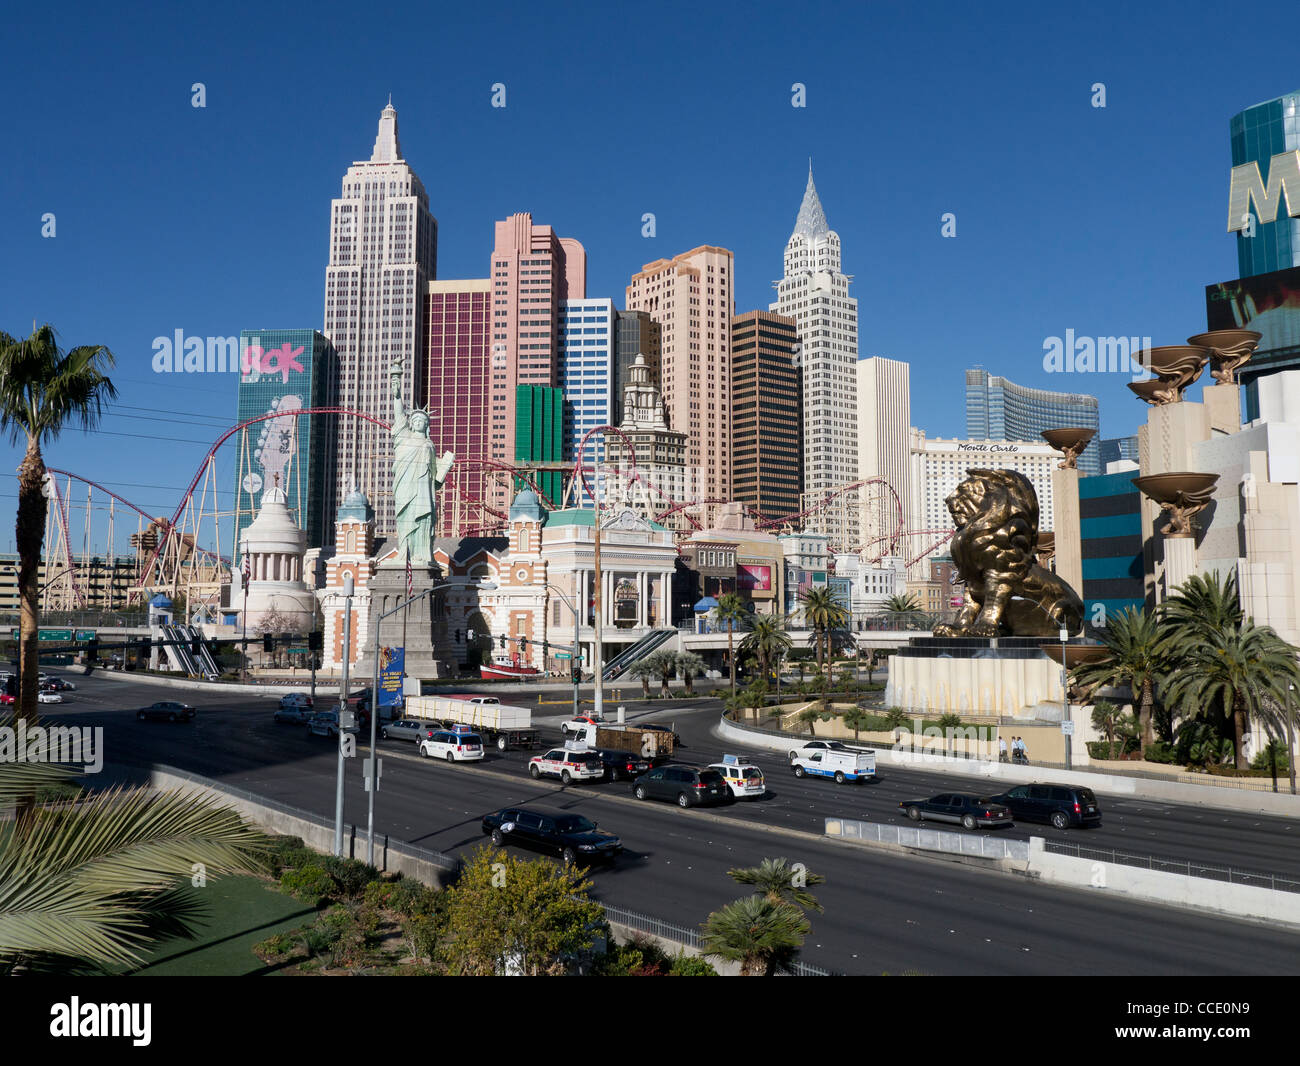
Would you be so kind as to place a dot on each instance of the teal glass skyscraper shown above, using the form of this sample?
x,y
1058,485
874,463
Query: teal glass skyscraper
x,y
1258,134
283,371
998,409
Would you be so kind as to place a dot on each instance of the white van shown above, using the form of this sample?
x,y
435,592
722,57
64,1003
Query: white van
x,y
841,765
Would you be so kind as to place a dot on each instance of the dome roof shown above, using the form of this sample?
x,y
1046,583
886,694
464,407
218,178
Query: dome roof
x,y
526,506
274,530
355,507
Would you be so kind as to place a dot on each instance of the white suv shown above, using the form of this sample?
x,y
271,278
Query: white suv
x,y
742,776
568,765
454,747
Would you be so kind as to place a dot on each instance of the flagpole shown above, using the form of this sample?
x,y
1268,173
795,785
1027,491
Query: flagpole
x,y
405,611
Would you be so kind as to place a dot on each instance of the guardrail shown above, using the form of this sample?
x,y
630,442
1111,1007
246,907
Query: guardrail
x,y
1226,874
910,836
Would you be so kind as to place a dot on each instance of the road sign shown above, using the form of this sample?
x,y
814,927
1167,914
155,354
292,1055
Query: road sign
x,y
52,636
1067,728
566,655
85,634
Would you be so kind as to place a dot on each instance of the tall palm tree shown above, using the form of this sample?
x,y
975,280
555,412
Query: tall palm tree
x,y
767,641
1206,603
43,390
94,882
690,666
1136,657
764,937
824,613
731,611
781,881
1242,671
905,609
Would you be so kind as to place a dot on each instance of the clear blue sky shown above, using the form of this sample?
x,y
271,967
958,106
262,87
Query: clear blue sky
x,y
1105,221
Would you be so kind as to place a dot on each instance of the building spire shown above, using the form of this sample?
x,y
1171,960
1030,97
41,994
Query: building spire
x,y
387,148
812,218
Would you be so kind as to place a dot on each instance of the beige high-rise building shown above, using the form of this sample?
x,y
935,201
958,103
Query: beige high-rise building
x,y
814,291
884,418
692,297
383,252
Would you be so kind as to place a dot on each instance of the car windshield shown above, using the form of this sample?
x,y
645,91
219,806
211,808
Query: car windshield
x,y
574,823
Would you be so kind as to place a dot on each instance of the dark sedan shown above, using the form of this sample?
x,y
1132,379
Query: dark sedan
x,y
166,711
622,764
571,836
971,812
1061,806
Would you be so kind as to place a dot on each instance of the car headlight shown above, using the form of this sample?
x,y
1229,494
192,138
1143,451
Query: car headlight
x,y
586,847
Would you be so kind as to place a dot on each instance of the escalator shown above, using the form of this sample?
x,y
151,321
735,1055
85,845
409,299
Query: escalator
x,y
629,657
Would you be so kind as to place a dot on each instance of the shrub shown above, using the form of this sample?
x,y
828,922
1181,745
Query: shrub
x,y
351,875
308,883
684,965
1261,759
1161,752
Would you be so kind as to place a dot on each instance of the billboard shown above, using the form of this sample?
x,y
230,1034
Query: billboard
x,y
392,667
1267,303
752,577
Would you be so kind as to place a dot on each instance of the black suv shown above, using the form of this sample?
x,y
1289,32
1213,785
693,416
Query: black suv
x,y
1061,806
621,764
687,786
571,836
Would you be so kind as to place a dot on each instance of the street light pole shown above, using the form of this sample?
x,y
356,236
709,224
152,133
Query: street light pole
x,y
1065,695
372,771
599,695
577,651
343,706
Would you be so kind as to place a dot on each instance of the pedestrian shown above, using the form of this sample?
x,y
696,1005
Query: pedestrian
x,y
1002,749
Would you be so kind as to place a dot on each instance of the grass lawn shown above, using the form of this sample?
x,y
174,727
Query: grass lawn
x,y
240,912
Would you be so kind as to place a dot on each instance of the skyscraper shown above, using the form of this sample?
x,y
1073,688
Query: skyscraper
x,y
587,340
815,293
383,250
286,371
1113,449
766,413
636,334
533,270
998,409
1258,134
884,421
658,453
458,317
692,297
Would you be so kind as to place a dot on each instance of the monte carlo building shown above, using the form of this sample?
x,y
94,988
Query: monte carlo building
x,y
383,252
815,293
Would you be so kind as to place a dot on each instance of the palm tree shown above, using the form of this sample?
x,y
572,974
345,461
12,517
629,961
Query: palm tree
x,y
764,937
905,608
857,719
95,881
690,666
1205,603
731,611
42,391
824,613
1242,671
767,641
1136,657
643,671
1107,718
781,881
661,664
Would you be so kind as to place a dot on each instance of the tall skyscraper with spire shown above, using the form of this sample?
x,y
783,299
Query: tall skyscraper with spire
x,y
815,293
383,252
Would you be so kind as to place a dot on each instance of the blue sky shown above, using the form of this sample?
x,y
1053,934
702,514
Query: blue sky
x,y
1105,221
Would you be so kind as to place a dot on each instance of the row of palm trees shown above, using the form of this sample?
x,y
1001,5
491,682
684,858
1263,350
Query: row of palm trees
x,y
1198,658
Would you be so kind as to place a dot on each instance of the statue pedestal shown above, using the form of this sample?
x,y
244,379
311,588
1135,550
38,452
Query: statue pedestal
x,y
1223,403
1067,527
972,676
425,632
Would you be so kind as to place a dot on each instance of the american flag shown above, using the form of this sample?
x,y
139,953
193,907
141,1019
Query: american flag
x,y
247,569
410,581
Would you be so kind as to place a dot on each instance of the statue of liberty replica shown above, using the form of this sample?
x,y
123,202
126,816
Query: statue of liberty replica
x,y
418,473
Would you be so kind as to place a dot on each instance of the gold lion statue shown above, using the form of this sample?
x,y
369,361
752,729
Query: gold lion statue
x,y
1007,593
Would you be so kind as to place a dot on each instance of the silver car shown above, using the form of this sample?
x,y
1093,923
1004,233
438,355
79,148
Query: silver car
x,y
414,729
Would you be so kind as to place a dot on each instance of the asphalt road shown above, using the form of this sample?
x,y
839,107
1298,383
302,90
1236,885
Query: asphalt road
x,y
884,913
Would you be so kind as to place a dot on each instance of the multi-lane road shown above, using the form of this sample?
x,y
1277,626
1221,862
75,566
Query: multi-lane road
x,y
884,912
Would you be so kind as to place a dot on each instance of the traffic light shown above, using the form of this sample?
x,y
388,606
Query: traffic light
x,y
577,675
195,644
458,636
523,643
268,642
503,642
92,650
315,640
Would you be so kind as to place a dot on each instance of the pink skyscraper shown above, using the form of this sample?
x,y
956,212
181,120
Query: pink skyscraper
x,y
532,271
692,297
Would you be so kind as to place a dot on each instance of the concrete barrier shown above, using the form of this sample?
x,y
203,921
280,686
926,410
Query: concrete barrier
x,y
999,776
217,686
432,868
